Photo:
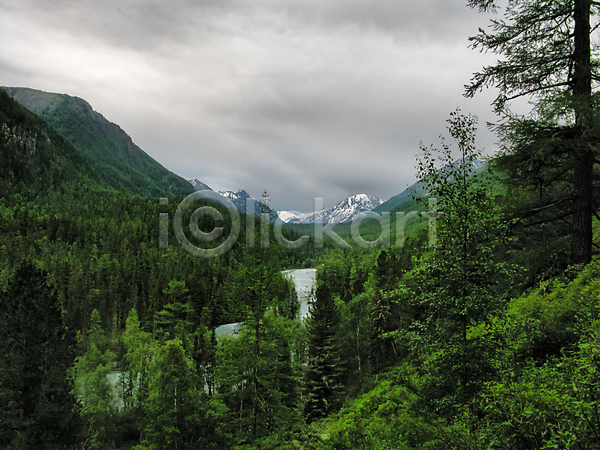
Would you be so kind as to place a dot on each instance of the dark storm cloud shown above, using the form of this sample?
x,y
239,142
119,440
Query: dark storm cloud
x,y
304,98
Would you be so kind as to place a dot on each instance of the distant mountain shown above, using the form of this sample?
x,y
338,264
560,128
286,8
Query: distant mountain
x,y
350,208
417,189
478,165
289,216
111,154
199,185
238,198
403,197
345,211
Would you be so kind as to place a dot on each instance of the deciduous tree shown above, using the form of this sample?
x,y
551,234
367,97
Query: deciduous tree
x,y
459,283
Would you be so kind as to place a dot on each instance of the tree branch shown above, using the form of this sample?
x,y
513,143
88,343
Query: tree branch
x,y
552,219
542,88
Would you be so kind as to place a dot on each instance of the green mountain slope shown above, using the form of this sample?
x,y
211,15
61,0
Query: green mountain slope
x,y
106,148
417,189
34,158
403,197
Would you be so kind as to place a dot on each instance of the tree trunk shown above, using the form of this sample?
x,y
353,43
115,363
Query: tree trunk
x,y
583,160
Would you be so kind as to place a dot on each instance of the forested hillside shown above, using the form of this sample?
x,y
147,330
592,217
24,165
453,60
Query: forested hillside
x,y
92,254
105,147
36,158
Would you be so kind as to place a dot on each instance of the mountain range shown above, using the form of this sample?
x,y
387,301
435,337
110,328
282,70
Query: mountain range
x,y
238,198
67,141
344,211
199,185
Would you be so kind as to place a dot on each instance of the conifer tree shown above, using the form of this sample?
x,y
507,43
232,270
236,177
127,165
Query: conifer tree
x,y
254,414
548,56
139,348
179,416
174,320
322,378
135,371
381,313
39,410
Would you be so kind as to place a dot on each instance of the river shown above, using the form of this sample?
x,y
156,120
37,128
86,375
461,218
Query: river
x,y
304,279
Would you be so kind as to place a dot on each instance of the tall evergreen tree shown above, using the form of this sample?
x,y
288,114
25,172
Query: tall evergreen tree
x,y
548,55
39,410
381,312
255,414
322,377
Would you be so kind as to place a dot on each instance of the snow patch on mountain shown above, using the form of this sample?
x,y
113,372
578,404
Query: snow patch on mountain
x,y
238,198
199,185
288,216
345,211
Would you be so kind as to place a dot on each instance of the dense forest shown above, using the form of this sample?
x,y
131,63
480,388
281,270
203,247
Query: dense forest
x,y
482,332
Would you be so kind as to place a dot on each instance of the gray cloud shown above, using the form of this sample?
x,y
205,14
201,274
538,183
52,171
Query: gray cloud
x,y
304,98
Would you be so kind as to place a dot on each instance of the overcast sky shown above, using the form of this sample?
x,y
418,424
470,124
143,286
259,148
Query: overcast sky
x,y
304,98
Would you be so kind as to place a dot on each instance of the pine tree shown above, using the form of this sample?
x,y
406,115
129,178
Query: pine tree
x,y
381,313
322,378
39,410
174,320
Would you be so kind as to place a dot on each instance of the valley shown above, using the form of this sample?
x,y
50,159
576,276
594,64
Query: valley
x,y
462,313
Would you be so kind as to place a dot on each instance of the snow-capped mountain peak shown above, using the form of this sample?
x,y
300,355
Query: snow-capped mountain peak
x,y
238,198
345,211
289,216
235,195
199,185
